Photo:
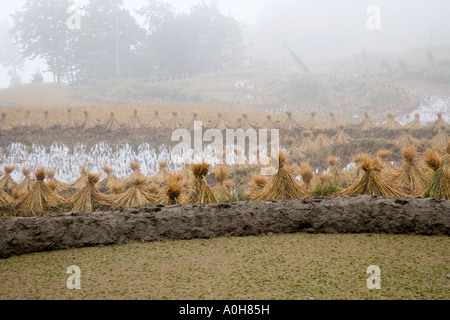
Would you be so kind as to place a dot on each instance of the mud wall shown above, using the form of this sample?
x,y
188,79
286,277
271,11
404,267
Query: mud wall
x,y
320,215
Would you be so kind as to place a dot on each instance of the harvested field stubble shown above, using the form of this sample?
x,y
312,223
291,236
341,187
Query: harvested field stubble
x,y
291,267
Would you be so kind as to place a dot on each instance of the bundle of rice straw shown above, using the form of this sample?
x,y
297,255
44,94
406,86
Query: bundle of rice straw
x,y
191,124
27,183
26,122
69,123
308,146
293,151
371,183
222,189
16,194
241,161
332,125
161,177
441,139
341,137
112,125
110,179
201,192
282,186
439,186
153,189
135,167
322,141
136,196
7,183
60,186
340,176
220,124
89,196
269,124
134,123
45,122
5,199
174,123
367,124
436,125
311,123
358,159
290,123
411,177
388,167
307,175
117,188
3,124
415,124
406,140
40,198
88,123
257,184
391,124
245,124
173,194
155,123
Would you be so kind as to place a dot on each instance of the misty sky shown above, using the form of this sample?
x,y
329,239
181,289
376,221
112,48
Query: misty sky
x,y
318,30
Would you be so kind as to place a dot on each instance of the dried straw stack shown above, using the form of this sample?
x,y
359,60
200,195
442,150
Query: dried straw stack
x,y
136,196
45,122
201,192
358,159
292,150
388,168
59,186
89,196
3,123
112,125
391,124
367,124
282,186
311,124
27,183
257,184
174,123
371,183
88,122
69,123
222,189
322,141
332,125
441,139
26,121
155,123
161,177
173,194
415,124
220,124
110,179
245,124
135,167
134,123
340,176
308,146
341,137
439,186
40,198
7,183
436,125
5,199
411,177
269,124
290,123
307,175
80,182
407,140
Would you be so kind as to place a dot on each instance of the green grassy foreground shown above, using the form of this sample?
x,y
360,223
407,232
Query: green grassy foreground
x,y
294,266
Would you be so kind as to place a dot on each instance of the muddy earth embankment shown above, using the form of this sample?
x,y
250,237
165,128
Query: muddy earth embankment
x,y
363,214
